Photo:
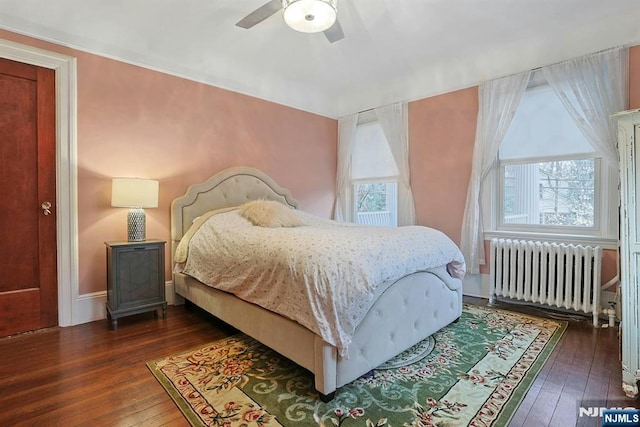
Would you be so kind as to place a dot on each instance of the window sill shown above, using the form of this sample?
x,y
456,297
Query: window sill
x,y
604,243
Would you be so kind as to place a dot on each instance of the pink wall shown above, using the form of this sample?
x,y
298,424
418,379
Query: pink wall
x,y
634,77
441,134
137,122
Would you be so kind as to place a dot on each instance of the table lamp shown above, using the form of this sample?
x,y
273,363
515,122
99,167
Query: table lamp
x,y
136,194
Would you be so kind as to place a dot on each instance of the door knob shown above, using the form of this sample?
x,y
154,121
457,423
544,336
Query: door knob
x,y
46,208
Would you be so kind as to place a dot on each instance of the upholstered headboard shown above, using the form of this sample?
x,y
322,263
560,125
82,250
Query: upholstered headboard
x,y
231,187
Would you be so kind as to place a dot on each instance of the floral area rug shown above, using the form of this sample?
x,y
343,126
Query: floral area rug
x,y
474,372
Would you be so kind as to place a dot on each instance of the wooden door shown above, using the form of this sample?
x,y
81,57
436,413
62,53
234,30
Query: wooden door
x,y
28,274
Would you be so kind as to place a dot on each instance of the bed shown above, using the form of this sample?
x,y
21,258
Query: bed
x,y
402,312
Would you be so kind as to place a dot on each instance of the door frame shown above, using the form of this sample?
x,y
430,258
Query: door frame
x,y
66,170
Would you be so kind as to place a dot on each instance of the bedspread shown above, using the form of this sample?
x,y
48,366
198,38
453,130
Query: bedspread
x,y
322,275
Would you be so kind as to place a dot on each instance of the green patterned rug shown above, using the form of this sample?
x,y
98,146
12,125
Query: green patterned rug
x,y
475,372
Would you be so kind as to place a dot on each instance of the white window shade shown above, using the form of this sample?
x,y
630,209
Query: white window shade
x,y
372,157
530,136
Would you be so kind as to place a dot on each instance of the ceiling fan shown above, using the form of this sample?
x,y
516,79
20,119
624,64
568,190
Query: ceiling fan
x,y
307,16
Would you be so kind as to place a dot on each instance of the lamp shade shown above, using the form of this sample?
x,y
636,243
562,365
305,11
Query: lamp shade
x,y
310,16
134,193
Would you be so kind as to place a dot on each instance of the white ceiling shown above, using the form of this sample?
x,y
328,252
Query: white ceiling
x,y
393,50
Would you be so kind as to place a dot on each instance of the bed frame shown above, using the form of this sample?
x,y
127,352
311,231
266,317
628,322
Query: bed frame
x,y
405,312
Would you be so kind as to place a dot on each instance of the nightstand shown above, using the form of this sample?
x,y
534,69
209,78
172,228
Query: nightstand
x,y
135,278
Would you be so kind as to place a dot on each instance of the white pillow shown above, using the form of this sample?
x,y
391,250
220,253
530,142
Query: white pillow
x,y
268,213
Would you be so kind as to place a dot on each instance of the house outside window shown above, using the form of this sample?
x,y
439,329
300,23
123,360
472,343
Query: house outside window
x,y
374,177
550,193
549,178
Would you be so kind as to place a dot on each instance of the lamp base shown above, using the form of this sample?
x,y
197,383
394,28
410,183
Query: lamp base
x,y
136,225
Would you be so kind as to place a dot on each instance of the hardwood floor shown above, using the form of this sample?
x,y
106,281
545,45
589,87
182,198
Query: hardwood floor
x,y
89,375
584,367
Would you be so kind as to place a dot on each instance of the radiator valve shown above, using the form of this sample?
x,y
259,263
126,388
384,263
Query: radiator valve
x,y
611,313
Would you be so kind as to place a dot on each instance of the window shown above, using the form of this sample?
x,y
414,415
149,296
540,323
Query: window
x,y
550,179
553,193
376,203
374,177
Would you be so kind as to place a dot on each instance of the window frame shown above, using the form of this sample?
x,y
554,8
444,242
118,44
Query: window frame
x,y
545,228
386,180
367,118
606,201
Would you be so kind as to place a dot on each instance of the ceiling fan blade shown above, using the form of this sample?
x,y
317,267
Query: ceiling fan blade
x,y
334,33
260,14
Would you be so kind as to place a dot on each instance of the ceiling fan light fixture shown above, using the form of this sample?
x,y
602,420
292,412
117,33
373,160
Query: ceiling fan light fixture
x,y
310,16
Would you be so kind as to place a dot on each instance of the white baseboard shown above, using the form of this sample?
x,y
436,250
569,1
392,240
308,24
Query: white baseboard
x,y
476,285
92,307
89,307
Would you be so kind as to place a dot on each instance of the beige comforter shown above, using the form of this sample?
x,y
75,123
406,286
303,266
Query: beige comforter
x,y
322,275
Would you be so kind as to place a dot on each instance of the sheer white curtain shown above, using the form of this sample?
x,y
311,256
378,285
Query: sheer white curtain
x,y
592,88
346,139
498,101
394,119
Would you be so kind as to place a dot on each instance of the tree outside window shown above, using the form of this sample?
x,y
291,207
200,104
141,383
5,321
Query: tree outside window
x,y
559,193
